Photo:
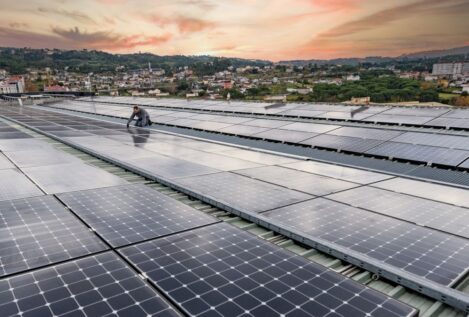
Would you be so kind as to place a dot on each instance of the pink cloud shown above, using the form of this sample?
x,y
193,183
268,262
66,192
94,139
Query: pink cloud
x,y
183,23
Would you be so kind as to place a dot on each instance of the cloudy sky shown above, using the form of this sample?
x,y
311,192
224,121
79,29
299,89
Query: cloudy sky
x,y
264,29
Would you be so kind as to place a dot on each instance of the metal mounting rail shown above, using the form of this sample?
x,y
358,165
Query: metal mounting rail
x,y
446,295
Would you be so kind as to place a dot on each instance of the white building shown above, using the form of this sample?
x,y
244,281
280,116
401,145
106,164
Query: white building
x,y
13,85
352,78
450,69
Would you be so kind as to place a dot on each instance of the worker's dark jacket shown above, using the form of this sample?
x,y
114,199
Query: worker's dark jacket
x,y
142,117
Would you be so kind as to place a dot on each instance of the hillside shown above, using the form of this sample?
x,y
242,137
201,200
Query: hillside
x,y
449,55
17,60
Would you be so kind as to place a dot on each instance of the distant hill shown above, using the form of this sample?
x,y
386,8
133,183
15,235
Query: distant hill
x,y
464,50
379,59
17,60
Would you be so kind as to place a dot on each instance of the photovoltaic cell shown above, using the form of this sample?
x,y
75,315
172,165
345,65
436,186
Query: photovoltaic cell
x,y
13,185
298,180
436,256
448,218
223,271
242,192
421,153
128,214
100,285
39,231
71,177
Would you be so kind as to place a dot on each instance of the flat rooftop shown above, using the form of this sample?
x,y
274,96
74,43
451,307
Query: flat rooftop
x,y
199,215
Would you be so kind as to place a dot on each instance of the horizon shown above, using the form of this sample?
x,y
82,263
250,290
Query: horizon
x,y
248,29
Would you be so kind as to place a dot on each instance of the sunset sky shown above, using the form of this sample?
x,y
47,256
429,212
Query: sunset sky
x,y
264,29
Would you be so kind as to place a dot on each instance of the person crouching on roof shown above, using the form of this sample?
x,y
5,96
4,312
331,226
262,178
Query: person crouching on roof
x,y
143,118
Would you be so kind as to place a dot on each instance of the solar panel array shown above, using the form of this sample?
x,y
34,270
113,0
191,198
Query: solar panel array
x,y
223,271
430,148
438,117
436,256
57,261
101,285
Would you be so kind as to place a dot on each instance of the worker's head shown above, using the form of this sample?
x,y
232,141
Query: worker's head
x,y
135,108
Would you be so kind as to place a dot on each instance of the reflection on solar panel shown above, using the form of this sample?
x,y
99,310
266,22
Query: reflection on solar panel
x,y
5,163
242,192
421,153
39,231
366,133
223,271
70,177
100,285
285,135
40,157
170,168
128,214
424,212
14,135
294,179
339,172
436,256
446,194
243,130
448,141
13,184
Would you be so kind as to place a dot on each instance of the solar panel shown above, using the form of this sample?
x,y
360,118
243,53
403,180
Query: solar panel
x,y
339,172
285,135
39,231
128,214
436,256
71,177
40,157
170,168
223,271
257,157
465,164
14,135
310,127
5,163
243,130
242,192
298,180
366,133
433,139
267,123
100,285
448,218
342,143
342,115
446,194
14,184
421,153
211,126
71,133
420,111
21,144
398,119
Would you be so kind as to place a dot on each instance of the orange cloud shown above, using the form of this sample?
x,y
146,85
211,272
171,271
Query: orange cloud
x,y
183,23
336,5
